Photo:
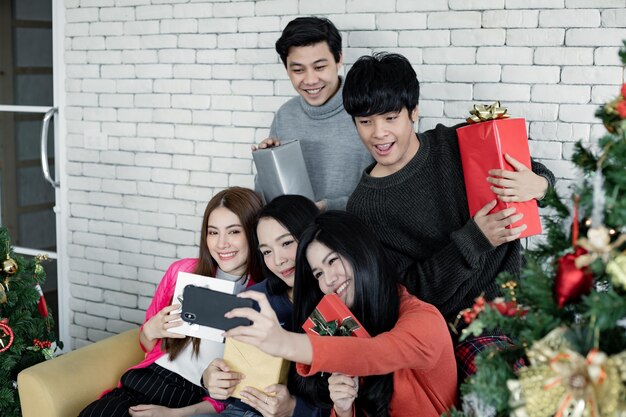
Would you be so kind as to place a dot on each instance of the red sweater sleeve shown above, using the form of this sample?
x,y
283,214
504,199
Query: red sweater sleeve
x,y
415,342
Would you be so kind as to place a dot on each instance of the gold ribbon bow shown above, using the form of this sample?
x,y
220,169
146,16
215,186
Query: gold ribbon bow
x,y
598,245
563,383
332,327
484,112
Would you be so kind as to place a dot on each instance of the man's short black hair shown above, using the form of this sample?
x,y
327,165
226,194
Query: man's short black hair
x,y
381,83
307,31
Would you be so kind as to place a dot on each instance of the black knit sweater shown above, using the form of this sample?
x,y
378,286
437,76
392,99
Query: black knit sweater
x,y
421,216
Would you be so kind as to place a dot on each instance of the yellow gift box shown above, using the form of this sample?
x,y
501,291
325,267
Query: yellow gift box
x,y
261,370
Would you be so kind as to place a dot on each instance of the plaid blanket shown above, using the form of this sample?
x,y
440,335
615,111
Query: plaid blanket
x,y
467,350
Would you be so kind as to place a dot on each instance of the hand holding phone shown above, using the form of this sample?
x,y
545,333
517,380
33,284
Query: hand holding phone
x,y
206,307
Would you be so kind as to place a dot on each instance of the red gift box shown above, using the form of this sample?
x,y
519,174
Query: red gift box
x,y
482,146
331,317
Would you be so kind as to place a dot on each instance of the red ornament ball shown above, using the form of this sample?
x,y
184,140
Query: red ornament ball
x,y
6,336
571,283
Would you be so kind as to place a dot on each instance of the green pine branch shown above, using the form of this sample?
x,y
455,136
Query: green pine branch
x,y
26,323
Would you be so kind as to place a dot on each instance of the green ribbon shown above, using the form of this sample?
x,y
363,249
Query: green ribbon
x,y
332,327
484,112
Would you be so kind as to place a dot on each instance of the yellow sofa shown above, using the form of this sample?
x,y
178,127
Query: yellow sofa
x,y
63,386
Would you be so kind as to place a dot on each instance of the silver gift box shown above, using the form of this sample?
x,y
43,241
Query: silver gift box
x,y
281,170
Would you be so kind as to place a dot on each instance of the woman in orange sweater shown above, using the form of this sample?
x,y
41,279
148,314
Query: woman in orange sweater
x,y
407,366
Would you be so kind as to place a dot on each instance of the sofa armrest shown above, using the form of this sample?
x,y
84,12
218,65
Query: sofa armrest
x,y
63,386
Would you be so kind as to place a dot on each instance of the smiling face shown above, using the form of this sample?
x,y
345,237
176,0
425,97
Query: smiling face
x,y
278,248
226,240
313,72
390,138
333,272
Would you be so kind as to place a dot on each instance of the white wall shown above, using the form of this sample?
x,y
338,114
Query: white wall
x,y
164,99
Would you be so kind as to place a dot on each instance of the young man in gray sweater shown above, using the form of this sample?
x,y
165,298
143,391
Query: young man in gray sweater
x,y
414,197
310,49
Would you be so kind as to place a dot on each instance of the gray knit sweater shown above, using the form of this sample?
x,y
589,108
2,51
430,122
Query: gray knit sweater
x,y
420,214
333,153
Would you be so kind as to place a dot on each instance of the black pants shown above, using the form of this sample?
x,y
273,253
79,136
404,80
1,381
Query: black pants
x,y
151,385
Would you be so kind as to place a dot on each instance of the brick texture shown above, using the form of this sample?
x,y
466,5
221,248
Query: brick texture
x,y
165,97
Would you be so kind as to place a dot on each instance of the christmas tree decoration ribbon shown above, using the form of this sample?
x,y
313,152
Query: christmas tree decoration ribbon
x,y
581,377
563,383
617,270
570,281
598,244
484,112
333,327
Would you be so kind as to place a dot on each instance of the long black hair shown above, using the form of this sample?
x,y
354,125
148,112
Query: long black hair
x,y
294,213
376,299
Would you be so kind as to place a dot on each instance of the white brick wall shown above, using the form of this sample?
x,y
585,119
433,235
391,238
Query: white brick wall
x,y
165,97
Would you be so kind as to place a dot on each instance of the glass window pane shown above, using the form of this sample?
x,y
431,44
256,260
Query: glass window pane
x,y
33,47
33,90
33,10
28,136
37,230
32,188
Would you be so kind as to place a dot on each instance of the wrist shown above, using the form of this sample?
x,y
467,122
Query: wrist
x,y
147,334
544,188
292,404
287,346
343,413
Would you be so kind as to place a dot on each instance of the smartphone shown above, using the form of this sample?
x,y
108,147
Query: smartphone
x,y
207,307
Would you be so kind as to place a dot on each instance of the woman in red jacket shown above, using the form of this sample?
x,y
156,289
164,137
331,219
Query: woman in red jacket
x,y
407,366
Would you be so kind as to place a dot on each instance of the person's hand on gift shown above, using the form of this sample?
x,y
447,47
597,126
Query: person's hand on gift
x,y
519,185
266,333
266,143
219,380
494,225
157,327
275,401
343,391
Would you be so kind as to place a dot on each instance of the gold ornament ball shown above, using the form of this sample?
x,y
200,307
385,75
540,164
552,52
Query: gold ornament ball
x,y
9,266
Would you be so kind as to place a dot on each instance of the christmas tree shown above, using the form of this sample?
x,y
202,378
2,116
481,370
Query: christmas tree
x,y
566,314
26,327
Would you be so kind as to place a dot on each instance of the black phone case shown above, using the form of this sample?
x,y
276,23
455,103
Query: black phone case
x,y
207,307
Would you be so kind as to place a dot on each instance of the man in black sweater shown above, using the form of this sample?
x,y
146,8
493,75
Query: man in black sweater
x,y
414,197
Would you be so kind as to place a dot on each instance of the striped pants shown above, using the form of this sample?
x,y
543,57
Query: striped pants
x,y
151,385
